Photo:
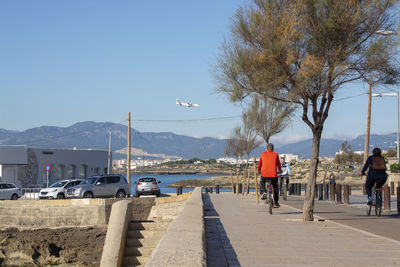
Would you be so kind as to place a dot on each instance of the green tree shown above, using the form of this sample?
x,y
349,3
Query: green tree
x,y
302,52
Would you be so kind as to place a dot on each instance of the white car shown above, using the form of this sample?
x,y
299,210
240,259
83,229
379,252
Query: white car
x,y
58,189
9,191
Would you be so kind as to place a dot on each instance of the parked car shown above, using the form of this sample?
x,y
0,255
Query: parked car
x,y
58,189
147,186
9,191
111,185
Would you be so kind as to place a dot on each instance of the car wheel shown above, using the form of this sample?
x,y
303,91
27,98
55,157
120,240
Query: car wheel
x,y
14,197
120,194
60,196
88,195
137,194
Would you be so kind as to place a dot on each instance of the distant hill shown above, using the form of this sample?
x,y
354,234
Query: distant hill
x,y
94,135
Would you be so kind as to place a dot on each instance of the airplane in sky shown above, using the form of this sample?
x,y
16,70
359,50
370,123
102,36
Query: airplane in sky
x,y
188,104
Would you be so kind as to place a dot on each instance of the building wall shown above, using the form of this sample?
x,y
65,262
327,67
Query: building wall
x,y
65,164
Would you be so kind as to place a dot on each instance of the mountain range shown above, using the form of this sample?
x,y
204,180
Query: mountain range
x,y
95,135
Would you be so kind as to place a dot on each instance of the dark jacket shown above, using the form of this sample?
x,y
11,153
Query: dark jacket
x,y
376,174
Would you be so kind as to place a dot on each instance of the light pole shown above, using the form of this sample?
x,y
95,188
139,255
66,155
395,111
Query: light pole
x,y
109,152
397,120
366,146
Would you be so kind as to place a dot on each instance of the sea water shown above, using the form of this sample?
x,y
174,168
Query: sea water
x,y
167,179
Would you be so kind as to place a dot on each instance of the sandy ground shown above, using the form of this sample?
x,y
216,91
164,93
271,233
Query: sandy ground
x,y
66,246
61,246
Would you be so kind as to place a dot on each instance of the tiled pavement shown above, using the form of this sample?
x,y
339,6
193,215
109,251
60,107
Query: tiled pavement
x,y
241,233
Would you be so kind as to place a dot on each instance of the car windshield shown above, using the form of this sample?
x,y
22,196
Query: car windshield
x,y
89,181
58,184
147,180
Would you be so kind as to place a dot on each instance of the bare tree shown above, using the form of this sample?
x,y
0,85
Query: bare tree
x,y
302,52
234,145
269,117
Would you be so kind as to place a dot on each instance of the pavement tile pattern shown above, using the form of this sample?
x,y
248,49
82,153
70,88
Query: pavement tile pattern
x,y
241,233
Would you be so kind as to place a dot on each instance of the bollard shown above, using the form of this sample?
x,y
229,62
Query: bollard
x,y
398,199
295,190
346,194
392,188
363,189
217,189
240,188
339,194
291,189
386,198
316,191
321,191
179,190
234,189
298,192
331,192
326,189
211,189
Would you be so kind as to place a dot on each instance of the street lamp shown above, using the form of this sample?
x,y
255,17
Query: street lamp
x,y
366,146
396,95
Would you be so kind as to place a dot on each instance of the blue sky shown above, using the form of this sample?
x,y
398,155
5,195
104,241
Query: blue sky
x,y
63,62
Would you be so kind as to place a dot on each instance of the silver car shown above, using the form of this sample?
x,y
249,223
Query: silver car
x,y
58,189
147,186
112,185
9,191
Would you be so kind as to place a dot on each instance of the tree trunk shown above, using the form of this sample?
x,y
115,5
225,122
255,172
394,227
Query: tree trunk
x,y
308,207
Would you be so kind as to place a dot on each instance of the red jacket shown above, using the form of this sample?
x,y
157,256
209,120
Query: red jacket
x,y
268,163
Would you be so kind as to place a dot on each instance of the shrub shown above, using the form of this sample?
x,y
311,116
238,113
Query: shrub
x,y
395,168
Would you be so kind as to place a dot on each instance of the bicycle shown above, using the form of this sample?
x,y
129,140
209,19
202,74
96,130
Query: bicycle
x,y
269,200
376,201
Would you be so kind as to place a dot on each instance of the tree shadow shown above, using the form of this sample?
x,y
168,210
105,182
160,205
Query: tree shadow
x,y
220,252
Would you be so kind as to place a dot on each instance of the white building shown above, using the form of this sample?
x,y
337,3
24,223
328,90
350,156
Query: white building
x,y
25,167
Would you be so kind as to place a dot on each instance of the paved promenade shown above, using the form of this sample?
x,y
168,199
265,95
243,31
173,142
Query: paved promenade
x,y
241,233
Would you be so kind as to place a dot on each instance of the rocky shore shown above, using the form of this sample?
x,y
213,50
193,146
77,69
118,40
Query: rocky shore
x,y
300,172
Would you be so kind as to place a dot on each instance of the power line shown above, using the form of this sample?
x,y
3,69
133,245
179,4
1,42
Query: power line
x,y
191,120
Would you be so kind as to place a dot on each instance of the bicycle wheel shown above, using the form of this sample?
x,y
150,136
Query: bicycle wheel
x,y
378,205
271,202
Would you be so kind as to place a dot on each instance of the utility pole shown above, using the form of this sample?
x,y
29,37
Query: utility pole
x,y
128,162
109,153
366,145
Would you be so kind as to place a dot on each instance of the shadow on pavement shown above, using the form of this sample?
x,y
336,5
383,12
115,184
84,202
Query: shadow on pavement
x,y
220,252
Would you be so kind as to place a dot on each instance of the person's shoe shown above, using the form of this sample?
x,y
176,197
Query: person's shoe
x,y
370,199
264,196
276,205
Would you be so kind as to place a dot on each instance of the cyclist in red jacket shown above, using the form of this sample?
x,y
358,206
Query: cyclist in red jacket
x,y
268,165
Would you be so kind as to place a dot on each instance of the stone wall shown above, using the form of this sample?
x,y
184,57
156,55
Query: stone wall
x,y
65,212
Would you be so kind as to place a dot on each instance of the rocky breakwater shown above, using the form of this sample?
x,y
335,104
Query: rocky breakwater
x,y
300,172
184,169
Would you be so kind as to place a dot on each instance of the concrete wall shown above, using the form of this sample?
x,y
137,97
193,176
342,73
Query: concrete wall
x,y
184,242
114,245
66,212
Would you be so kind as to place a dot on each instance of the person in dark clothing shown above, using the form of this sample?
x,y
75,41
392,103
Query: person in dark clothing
x,y
376,172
